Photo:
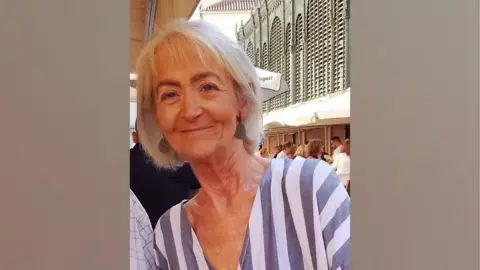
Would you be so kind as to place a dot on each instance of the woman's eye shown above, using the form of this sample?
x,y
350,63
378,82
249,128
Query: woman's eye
x,y
209,87
169,95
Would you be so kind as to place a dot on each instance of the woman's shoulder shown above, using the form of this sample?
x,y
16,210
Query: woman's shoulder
x,y
304,178
171,217
302,169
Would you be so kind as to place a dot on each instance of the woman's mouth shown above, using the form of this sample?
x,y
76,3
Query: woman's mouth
x,y
195,129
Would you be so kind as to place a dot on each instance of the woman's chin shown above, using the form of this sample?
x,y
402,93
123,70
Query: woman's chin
x,y
203,152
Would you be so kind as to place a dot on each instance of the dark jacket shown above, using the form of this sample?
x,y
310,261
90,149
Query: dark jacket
x,y
158,189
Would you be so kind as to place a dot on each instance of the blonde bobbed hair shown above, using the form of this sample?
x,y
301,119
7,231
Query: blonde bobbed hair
x,y
205,38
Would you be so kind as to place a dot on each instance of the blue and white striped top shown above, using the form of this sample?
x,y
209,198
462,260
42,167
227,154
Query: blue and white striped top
x,y
300,220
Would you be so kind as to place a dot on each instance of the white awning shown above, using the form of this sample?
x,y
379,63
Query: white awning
x,y
329,107
335,107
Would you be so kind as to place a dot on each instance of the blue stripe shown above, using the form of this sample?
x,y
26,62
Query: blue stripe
x,y
342,257
187,241
342,213
270,245
162,262
169,241
306,193
293,244
326,190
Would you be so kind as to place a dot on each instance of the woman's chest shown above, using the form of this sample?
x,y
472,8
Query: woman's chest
x,y
223,241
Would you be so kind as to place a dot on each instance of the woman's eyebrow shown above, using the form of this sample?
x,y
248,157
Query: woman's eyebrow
x,y
193,79
203,75
168,83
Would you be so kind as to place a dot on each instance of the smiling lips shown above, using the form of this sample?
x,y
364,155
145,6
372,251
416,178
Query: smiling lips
x,y
194,130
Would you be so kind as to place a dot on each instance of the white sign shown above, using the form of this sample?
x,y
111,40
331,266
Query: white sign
x,y
269,80
272,83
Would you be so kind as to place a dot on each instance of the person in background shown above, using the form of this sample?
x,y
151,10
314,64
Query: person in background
x,y
201,102
291,155
142,251
312,151
300,152
341,163
260,146
158,189
264,153
324,155
316,149
288,148
336,143
278,149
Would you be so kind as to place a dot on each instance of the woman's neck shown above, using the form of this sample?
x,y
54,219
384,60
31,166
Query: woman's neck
x,y
228,174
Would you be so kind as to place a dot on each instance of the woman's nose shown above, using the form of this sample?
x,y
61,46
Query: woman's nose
x,y
190,108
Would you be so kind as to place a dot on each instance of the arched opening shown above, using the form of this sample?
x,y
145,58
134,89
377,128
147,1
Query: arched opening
x,y
277,58
250,52
299,90
319,48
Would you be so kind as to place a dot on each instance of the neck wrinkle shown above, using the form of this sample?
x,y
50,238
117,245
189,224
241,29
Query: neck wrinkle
x,y
225,176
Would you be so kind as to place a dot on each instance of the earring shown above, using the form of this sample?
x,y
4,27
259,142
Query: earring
x,y
240,131
163,146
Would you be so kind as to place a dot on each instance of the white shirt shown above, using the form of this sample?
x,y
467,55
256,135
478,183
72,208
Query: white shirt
x,y
281,154
337,151
142,253
341,164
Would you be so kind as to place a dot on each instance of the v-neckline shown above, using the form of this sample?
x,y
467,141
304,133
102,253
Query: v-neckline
x,y
246,241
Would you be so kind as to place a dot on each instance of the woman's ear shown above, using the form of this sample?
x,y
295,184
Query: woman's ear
x,y
243,113
243,103
252,85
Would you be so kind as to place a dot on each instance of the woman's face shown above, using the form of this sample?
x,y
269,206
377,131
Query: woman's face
x,y
196,104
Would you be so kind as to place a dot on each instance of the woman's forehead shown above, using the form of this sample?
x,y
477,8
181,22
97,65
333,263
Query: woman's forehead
x,y
176,54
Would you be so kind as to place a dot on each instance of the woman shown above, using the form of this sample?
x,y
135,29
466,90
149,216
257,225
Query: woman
x,y
341,163
278,149
291,155
264,152
300,152
315,149
199,100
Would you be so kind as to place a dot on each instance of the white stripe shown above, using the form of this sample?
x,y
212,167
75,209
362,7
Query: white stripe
x,y
342,234
279,214
256,234
197,251
175,221
330,209
160,244
292,186
319,175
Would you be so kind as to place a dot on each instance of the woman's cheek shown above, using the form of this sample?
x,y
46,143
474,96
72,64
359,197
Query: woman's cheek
x,y
165,118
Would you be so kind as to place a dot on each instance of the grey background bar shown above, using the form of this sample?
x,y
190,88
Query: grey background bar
x,y
64,149
415,117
